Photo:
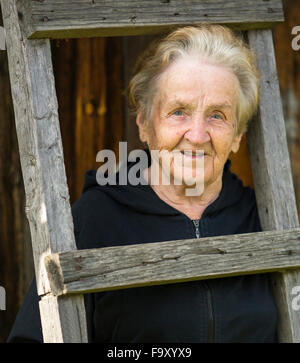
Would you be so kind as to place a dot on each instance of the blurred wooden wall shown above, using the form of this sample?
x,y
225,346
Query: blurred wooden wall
x,y
88,74
91,76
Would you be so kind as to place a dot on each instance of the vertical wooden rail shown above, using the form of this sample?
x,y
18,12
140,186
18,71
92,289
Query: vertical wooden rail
x,y
272,175
47,197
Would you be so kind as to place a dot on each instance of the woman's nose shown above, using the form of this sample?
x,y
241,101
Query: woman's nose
x,y
197,132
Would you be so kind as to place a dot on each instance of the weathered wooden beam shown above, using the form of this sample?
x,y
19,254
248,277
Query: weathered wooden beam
x,y
82,18
47,198
272,175
2,38
63,319
173,261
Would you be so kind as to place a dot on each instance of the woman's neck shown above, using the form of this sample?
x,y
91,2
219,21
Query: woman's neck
x,y
175,195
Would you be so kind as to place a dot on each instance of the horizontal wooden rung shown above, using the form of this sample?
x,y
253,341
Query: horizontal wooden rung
x,y
157,263
82,18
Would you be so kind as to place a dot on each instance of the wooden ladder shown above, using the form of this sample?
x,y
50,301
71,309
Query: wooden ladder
x,y
63,273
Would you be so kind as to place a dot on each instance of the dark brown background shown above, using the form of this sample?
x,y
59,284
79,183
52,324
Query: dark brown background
x,y
91,76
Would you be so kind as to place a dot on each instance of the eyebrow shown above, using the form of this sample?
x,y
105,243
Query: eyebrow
x,y
178,103
182,104
220,105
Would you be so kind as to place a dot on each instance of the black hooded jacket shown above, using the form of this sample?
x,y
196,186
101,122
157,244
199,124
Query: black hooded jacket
x,y
232,309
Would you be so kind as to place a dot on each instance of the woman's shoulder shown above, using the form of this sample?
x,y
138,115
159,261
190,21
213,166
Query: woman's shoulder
x,y
238,189
91,202
248,194
92,218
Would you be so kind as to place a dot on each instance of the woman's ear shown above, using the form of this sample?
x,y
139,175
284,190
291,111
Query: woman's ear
x,y
236,143
142,127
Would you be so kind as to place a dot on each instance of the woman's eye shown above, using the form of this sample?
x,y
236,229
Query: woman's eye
x,y
216,116
178,113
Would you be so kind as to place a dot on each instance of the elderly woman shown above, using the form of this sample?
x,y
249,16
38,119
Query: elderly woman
x,y
193,92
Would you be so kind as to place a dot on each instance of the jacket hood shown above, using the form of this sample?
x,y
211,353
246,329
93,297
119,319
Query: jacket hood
x,y
142,198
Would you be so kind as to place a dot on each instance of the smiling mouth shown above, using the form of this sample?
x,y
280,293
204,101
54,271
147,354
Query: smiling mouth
x,y
193,154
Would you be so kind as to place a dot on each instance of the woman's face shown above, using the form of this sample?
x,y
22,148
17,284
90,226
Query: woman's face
x,y
194,109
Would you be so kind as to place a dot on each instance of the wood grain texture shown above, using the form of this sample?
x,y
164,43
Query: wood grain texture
x,y
16,263
82,18
88,74
268,144
133,47
288,61
35,105
173,261
63,321
272,175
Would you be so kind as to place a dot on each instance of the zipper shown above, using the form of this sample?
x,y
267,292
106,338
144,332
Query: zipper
x,y
208,293
196,224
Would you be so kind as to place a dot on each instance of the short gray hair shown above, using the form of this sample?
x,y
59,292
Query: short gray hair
x,y
218,45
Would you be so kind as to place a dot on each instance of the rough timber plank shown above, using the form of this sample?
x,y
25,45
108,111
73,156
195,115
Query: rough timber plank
x,y
63,319
47,199
272,175
173,261
83,18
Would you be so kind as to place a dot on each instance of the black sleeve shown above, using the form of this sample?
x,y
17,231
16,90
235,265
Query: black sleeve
x,y
27,327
